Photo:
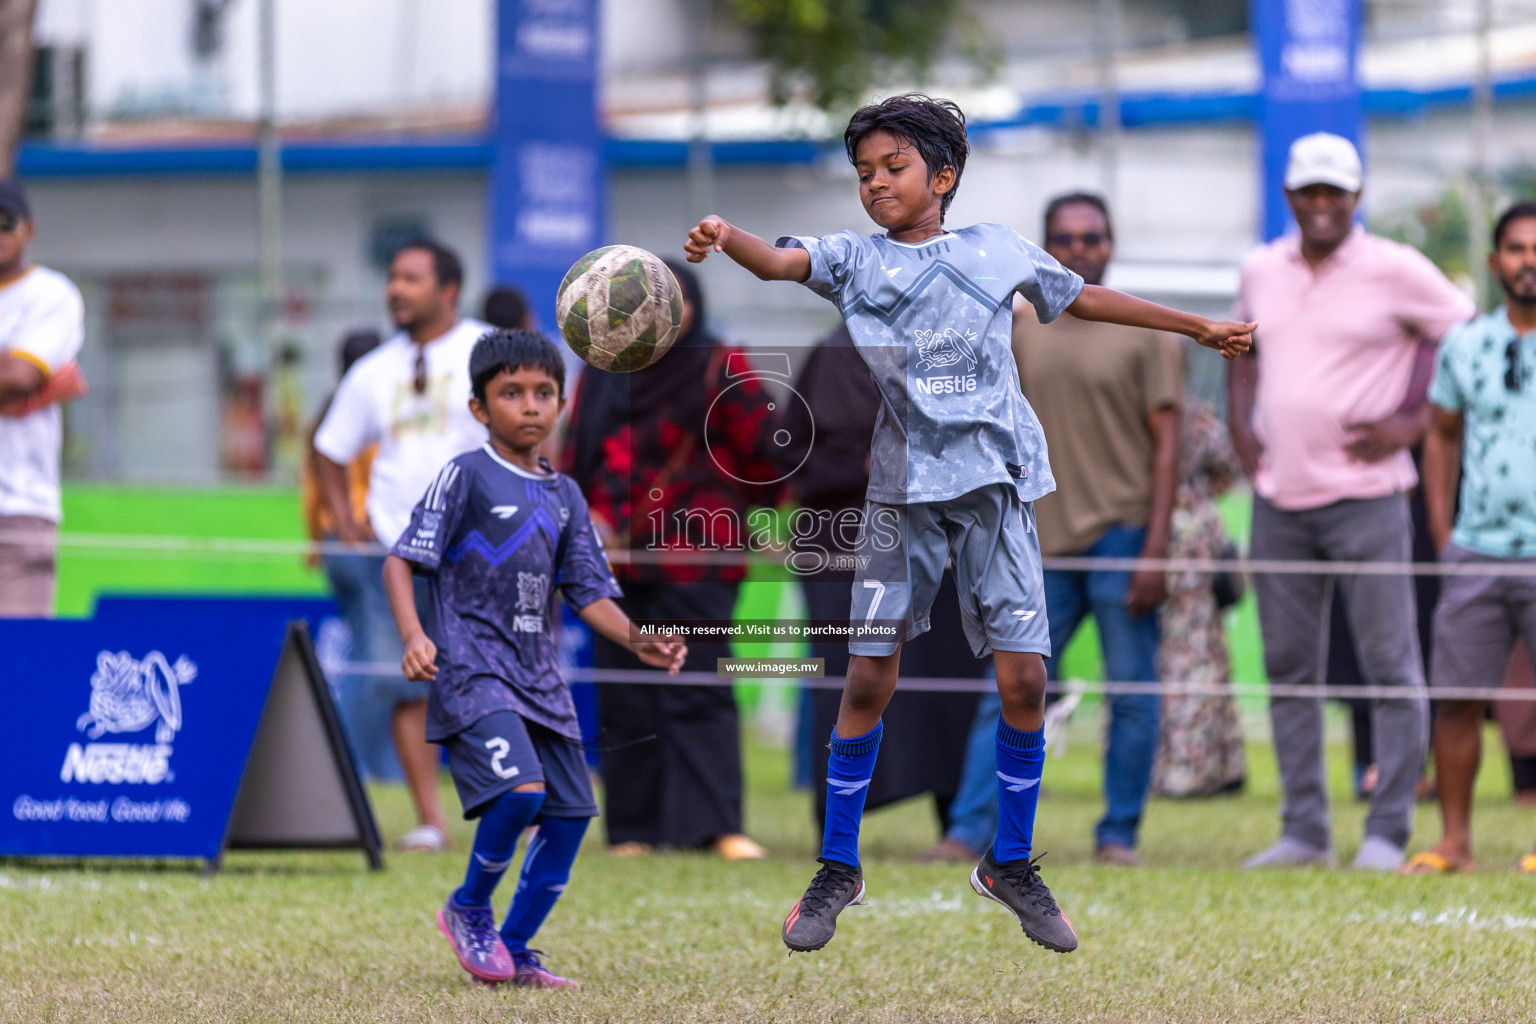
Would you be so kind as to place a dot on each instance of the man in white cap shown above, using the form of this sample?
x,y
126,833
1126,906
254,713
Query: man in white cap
x,y
1322,413
42,324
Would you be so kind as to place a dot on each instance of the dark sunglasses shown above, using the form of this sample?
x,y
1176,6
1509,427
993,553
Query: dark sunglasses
x,y
419,382
1514,373
9,222
1064,239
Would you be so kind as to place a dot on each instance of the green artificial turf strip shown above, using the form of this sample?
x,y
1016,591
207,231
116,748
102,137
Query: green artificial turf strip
x,y
264,513
684,937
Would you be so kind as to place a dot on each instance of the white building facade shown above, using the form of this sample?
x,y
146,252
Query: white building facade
x,y
153,208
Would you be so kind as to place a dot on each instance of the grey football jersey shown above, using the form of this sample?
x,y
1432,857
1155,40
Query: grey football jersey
x,y
933,320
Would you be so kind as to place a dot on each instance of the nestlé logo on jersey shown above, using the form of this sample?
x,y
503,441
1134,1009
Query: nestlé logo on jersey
x,y
128,695
532,602
946,350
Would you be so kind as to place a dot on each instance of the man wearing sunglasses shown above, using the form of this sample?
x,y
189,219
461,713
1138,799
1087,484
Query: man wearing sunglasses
x,y
1484,430
410,396
41,330
1109,398
1322,415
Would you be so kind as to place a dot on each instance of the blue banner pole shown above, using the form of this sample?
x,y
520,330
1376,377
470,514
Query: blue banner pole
x,y
1309,53
547,175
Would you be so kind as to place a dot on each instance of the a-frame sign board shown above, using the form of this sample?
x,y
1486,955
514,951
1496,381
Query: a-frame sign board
x,y
300,787
162,729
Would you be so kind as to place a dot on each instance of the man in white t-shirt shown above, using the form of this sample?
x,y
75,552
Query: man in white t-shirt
x,y
411,397
42,325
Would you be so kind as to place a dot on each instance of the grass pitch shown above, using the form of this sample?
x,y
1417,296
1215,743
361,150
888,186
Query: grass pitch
x,y
684,937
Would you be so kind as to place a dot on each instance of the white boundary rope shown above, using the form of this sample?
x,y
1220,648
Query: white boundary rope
x,y
941,684
139,545
126,546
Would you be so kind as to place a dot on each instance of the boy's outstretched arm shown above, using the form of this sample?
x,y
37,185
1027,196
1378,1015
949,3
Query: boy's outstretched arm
x,y
420,661
1109,306
715,234
609,619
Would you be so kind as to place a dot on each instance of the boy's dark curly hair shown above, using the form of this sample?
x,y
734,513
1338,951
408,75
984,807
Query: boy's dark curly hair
x,y
511,350
934,127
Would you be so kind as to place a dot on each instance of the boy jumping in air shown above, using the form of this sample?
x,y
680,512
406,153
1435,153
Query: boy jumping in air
x,y
957,461
496,530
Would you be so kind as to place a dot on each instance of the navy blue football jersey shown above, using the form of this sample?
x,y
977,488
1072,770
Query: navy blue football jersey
x,y
496,541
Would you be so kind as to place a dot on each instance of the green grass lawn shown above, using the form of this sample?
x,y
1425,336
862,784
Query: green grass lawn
x,y
683,937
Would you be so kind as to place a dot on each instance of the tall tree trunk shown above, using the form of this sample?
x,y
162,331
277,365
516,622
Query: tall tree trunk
x,y
15,76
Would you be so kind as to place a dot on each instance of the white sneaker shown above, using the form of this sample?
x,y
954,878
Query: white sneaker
x,y
1290,853
427,838
1378,854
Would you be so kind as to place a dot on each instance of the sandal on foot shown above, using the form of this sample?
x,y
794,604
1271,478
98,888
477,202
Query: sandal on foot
x,y
1428,863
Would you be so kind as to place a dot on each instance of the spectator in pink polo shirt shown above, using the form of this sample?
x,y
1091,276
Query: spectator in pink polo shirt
x,y
1322,414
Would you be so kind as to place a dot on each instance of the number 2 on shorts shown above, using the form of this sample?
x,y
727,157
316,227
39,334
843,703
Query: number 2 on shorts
x,y
499,749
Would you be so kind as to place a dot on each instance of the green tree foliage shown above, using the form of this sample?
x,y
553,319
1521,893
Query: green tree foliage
x,y
1439,227
833,52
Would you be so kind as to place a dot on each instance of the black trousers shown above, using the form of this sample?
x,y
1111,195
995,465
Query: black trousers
x,y
675,779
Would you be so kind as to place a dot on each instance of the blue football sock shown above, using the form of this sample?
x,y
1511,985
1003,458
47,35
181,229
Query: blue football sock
x,y
546,869
848,773
495,843
1020,761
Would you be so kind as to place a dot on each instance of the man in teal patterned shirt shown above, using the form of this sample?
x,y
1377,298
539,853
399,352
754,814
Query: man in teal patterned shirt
x,y
1484,408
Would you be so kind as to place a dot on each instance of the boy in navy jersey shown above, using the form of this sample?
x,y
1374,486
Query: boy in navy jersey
x,y
497,531
956,463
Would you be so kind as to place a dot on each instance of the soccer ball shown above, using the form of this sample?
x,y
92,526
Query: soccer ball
x,y
619,308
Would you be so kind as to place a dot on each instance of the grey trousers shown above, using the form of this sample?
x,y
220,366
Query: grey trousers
x,y
1293,618
28,552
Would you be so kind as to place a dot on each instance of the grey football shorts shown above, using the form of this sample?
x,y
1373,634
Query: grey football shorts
x,y
989,533
1478,619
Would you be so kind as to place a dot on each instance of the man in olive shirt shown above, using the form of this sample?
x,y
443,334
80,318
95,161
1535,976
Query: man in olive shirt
x,y
1109,399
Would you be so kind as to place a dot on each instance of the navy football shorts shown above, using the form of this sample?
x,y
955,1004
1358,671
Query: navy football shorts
x,y
503,750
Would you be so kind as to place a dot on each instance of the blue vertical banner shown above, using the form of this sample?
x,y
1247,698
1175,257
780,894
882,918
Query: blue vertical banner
x,y
547,175
1309,53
